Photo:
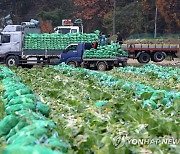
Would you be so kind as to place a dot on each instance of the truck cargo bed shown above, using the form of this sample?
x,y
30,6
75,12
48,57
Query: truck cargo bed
x,y
151,46
123,58
42,52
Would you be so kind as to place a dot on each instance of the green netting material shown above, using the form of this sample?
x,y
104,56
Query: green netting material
x,y
100,103
44,109
56,41
13,149
146,93
7,124
154,70
25,125
107,51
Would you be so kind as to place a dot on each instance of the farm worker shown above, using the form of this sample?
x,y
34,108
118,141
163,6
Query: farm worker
x,y
108,41
102,39
95,45
119,38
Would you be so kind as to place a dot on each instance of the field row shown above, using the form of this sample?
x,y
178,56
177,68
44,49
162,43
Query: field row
x,y
92,108
25,127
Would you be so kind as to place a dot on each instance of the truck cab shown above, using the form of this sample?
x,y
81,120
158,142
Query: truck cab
x,y
73,54
12,52
10,47
12,28
10,41
68,27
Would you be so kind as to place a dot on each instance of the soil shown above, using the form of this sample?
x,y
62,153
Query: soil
x,y
167,62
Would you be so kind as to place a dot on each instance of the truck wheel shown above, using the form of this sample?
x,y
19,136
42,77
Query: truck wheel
x,y
144,58
12,61
124,63
71,63
101,66
158,56
27,66
110,67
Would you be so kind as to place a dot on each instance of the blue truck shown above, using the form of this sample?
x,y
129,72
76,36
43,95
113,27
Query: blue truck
x,y
73,55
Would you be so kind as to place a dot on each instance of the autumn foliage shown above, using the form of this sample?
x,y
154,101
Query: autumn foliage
x,y
92,10
89,9
169,9
132,16
46,26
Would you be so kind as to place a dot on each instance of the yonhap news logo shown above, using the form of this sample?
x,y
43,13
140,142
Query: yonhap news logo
x,y
123,140
119,141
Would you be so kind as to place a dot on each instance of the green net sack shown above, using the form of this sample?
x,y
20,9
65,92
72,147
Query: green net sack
x,y
20,100
25,132
7,124
19,92
42,108
16,129
56,41
100,103
106,51
25,141
148,94
25,106
25,125
29,116
37,128
58,144
155,71
16,149
13,87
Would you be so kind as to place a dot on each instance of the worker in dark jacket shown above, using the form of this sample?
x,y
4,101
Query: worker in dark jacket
x,y
119,38
108,40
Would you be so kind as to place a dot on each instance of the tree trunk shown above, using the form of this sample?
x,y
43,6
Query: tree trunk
x,y
114,17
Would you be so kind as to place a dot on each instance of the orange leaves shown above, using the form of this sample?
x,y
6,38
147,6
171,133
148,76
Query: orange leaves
x,y
170,11
46,26
90,9
163,8
92,12
85,3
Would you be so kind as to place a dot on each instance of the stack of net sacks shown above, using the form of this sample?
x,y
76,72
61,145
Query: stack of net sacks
x,y
107,51
154,70
26,128
150,97
56,41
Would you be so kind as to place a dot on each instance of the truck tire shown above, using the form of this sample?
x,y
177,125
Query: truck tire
x,y
101,66
110,68
124,63
144,57
158,56
27,66
12,61
72,63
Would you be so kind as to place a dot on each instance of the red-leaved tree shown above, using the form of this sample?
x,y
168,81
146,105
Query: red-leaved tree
x,y
92,12
169,9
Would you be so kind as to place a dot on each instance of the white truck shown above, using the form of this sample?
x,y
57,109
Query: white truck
x,y
69,27
12,52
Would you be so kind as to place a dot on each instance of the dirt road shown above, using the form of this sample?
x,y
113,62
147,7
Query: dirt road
x,y
175,62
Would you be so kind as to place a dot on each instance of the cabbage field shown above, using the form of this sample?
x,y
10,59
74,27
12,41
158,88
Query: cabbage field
x,y
61,109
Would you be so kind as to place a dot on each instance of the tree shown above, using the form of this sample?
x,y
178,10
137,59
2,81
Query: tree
x,y
92,11
54,10
170,10
46,26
